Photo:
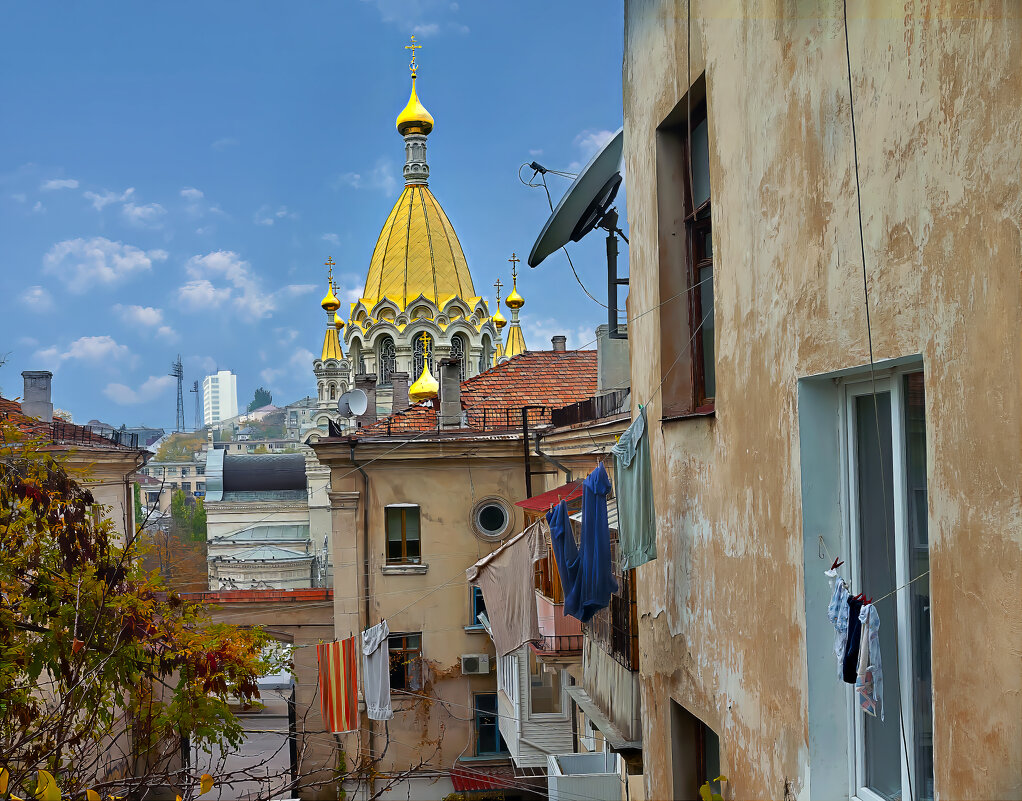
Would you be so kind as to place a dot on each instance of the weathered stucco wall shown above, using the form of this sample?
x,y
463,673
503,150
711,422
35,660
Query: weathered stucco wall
x,y
938,104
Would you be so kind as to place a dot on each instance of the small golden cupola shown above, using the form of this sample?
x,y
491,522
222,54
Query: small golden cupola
x,y
514,301
425,387
330,304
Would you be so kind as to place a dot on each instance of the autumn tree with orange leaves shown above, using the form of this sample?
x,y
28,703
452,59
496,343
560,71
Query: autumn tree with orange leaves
x,y
101,668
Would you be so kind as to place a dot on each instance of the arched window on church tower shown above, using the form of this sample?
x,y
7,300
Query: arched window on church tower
x,y
419,351
333,392
387,361
458,351
486,356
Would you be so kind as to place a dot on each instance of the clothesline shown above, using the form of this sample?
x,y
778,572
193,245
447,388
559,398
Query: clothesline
x,y
892,592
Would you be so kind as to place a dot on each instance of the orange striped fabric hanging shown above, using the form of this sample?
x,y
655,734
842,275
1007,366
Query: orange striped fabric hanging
x,y
338,684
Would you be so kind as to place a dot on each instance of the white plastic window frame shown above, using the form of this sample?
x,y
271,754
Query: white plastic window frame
x,y
890,381
548,716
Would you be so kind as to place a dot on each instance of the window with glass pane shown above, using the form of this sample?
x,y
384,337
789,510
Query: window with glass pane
x,y
403,535
544,688
419,348
892,549
405,661
388,361
488,739
700,233
458,352
478,606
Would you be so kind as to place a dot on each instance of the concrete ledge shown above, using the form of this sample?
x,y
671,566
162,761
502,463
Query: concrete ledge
x,y
615,738
404,570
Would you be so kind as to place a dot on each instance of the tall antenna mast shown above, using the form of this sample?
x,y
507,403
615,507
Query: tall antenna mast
x,y
177,370
198,415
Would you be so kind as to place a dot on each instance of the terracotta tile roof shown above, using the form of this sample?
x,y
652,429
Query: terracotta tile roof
x,y
493,400
63,433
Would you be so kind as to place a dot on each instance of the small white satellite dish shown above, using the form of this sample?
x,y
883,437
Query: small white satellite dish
x,y
585,203
352,403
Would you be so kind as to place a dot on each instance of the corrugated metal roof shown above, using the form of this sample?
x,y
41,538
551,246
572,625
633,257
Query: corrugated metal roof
x,y
295,532
267,553
272,471
611,515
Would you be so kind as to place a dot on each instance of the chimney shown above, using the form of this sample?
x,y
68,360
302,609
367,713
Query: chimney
x,y
450,393
559,343
399,382
35,400
367,383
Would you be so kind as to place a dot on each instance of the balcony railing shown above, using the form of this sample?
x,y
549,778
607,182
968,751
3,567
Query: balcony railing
x,y
560,644
71,434
590,409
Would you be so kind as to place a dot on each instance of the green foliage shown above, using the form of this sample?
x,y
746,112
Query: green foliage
x,y
261,398
188,514
138,505
92,646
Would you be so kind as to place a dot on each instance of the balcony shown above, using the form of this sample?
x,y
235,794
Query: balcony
x,y
559,646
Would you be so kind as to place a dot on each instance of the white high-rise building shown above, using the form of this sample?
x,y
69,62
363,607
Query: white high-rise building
x,y
219,397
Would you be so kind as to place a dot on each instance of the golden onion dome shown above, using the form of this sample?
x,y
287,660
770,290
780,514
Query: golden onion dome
x,y
338,322
330,301
425,387
414,119
498,319
514,300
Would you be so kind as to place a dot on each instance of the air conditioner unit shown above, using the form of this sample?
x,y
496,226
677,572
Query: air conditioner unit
x,y
475,664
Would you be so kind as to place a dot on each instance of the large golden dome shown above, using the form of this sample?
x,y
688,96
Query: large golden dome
x,y
417,253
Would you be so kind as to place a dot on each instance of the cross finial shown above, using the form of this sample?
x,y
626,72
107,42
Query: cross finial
x,y
424,338
330,272
514,265
413,47
498,285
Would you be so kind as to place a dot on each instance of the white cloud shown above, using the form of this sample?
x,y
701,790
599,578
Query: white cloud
x,y
19,197
59,183
285,335
425,29
38,206
83,263
88,349
538,333
591,140
167,333
297,366
224,143
267,216
297,290
152,388
100,201
537,152
144,316
200,295
144,215
191,193
333,239
37,298
380,178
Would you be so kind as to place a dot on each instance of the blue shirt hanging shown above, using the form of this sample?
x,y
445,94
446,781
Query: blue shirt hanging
x,y
567,557
597,576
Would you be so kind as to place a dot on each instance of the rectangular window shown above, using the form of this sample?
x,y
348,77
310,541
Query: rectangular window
x,y
405,661
488,739
478,606
184,472
200,487
403,535
507,676
548,580
687,355
545,689
186,486
886,446
200,470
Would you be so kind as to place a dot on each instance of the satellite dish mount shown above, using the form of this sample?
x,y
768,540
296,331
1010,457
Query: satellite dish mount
x,y
585,206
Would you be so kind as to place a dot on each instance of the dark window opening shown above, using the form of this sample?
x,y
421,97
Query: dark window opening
x,y
405,661
488,738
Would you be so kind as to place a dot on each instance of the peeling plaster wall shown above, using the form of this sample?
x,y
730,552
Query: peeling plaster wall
x,y
938,104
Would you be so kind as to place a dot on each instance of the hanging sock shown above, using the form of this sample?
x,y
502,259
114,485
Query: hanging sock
x,y
566,556
338,684
507,580
376,671
633,477
598,582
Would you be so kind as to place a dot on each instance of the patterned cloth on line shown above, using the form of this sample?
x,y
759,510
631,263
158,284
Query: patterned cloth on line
x,y
338,684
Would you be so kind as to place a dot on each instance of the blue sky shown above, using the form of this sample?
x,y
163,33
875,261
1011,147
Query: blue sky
x,y
173,176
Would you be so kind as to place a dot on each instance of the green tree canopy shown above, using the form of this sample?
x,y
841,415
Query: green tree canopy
x,y
262,398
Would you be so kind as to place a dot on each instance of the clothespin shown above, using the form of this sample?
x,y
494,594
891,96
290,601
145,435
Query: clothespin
x,y
837,563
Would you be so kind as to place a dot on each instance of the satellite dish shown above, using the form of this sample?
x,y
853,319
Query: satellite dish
x,y
352,403
585,203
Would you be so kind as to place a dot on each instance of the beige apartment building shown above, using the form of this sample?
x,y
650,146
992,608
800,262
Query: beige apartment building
x,y
776,448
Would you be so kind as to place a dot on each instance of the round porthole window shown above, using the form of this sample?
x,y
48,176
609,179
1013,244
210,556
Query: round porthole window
x,y
491,518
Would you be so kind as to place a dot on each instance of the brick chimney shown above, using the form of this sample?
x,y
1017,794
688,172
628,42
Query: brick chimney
x,y
36,397
399,382
450,393
367,383
559,343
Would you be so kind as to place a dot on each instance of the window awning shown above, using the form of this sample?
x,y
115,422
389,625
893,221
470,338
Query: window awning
x,y
543,501
484,777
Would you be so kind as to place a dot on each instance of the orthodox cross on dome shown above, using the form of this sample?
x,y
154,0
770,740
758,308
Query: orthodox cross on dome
x,y
497,284
413,47
514,265
329,263
426,341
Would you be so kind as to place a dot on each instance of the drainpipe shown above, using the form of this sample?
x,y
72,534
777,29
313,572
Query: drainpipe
x,y
551,459
129,498
365,573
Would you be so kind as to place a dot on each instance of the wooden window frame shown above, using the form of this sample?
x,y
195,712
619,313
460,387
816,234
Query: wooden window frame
x,y
407,660
495,714
405,559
